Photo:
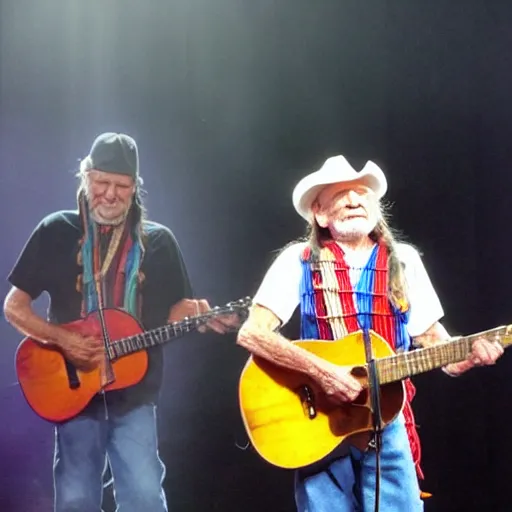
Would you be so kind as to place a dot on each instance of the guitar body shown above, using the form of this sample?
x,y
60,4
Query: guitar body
x,y
277,421
43,375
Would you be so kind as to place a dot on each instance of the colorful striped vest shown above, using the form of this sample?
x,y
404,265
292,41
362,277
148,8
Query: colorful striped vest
x,y
331,307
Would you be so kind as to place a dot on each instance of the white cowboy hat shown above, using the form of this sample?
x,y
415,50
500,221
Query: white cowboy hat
x,y
336,170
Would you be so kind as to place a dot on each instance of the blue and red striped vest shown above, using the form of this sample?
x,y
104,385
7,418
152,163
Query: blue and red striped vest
x,y
332,307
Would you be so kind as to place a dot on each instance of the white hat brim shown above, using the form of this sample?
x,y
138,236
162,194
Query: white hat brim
x,y
336,170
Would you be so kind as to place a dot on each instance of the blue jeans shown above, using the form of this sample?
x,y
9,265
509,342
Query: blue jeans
x,y
347,483
127,440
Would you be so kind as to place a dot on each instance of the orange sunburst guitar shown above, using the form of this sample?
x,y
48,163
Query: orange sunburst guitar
x,y
292,424
58,393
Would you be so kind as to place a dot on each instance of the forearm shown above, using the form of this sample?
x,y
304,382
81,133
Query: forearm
x,y
277,349
259,337
433,335
29,323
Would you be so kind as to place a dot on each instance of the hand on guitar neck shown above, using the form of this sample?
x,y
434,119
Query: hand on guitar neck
x,y
483,352
195,307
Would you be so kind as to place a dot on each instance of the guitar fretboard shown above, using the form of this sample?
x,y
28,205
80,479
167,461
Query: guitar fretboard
x,y
151,338
161,335
407,364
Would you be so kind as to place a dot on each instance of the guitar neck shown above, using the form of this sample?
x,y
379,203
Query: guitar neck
x,y
166,333
152,338
408,364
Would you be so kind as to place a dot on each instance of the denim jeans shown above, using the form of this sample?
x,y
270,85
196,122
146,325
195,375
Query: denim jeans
x,y
127,440
347,483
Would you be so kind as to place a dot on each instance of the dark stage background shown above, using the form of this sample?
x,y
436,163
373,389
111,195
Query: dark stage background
x,y
232,102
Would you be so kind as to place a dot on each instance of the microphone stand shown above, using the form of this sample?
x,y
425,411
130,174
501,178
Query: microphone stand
x,y
374,389
106,371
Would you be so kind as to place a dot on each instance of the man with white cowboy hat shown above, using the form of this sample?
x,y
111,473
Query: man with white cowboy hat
x,y
351,274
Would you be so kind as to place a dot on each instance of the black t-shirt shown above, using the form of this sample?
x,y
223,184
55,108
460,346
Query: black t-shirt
x,y
48,263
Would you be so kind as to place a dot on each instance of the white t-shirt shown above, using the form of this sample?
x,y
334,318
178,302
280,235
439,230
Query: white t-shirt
x,y
280,290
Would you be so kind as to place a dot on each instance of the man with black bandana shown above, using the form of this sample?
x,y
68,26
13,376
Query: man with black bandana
x,y
107,250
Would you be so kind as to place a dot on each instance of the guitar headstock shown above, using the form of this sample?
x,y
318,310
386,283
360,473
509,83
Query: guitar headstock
x,y
506,336
502,334
233,314
239,307
236,305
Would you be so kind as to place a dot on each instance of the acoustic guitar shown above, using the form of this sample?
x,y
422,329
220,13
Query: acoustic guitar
x,y
290,421
57,392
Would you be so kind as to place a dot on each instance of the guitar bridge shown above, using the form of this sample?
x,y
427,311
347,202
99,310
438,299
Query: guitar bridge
x,y
307,399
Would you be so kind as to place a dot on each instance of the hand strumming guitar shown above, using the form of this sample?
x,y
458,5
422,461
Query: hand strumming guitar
x,y
85,352
338,384
195,307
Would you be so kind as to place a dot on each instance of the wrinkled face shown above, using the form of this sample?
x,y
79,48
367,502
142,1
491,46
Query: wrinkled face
x,y
109,196
349,211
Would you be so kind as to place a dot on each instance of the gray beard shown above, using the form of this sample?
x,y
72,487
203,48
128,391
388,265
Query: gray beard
x,y
108,222
352,229
99,219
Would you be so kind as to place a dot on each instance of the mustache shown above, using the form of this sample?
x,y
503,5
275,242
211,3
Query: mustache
x,y
348,212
